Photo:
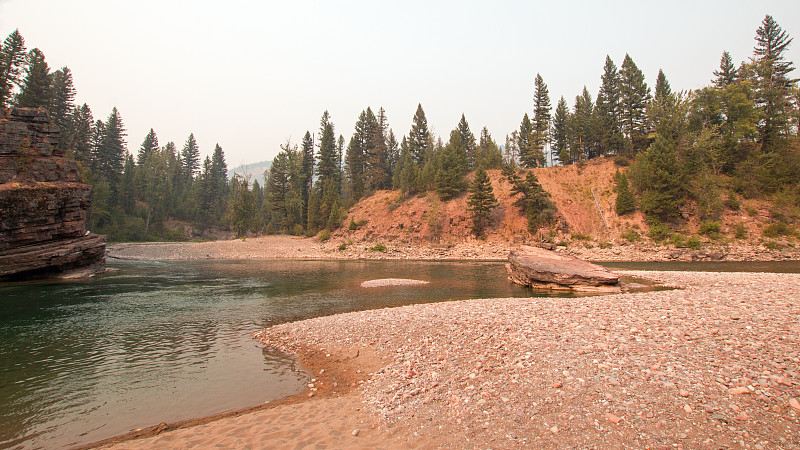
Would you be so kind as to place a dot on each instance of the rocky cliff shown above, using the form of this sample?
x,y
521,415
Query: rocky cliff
x,y
43,203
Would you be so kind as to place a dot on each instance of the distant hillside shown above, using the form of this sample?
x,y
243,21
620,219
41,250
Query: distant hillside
x,y
256,171
583,193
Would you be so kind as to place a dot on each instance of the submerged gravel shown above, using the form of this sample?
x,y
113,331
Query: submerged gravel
x,y
714,364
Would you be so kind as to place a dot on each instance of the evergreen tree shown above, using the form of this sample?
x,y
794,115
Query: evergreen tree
x,y
541,125
149,147
726,75
581,136
608,109
12,65
127,187
190,155
561,121
468,142
35,89
327,164
242,207
659,178
534,201
625,203
419,138
524,146
393,154
634,99
481,201
79,135
407,172
489,155
112,148
773,86
354,167
307,172
663,90
449,178
61,103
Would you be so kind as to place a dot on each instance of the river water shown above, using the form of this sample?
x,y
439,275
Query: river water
x,y
151,342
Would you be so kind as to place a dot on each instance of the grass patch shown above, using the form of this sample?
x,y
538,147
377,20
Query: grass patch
x,y
379,247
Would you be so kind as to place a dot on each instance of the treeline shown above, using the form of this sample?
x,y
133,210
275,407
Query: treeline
x,y
736,136
132,196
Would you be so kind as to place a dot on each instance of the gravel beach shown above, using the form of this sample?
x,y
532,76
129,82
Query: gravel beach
x,y
714,364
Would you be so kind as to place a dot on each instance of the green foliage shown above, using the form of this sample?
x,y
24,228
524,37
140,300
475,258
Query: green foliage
x,y
379,247
449,178
581,237
732,202
534,202
625,202
324,235
709,228
342,247
481,201
658,232
12,64
631,236
739,231
659,177
242,207
35,87
777,229
693,243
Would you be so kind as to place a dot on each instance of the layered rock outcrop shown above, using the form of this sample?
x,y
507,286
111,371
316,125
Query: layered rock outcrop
x,y
543,269
43,203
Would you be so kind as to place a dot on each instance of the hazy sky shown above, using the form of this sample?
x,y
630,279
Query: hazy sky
x,y
249,74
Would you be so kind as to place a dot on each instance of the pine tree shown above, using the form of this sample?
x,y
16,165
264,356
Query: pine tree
x,y
149,147
534,201
541,125
608,109
634,99
773,85
127,187
561,121
481,201
307,172
489,155
663,90
354,167
726,75
468,142
659,178
112,148
581,138
419,138
12,65
61,102
393,155
524,142
449,175
242,207
625,203
327,156
80,134
190,155
35,89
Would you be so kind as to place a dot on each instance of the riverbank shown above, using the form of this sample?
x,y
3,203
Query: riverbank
x,y
279,247
716,363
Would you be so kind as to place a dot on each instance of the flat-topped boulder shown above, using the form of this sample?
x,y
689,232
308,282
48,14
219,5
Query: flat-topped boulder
x,y
543,269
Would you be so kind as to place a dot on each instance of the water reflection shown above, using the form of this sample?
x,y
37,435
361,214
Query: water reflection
x,y
152,342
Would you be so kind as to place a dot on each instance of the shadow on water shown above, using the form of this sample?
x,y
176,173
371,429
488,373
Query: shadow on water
x,y
150,342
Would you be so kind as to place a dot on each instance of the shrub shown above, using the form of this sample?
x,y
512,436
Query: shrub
x,y
581,237
709,228
342,246
605,245
693,243
379,247
776,229
324,235
631,236
658,231
352,226
740,231
677,240
732,202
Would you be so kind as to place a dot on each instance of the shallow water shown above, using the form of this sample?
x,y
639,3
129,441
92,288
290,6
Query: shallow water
x,y
151,342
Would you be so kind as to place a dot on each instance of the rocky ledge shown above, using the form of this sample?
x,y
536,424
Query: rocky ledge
x,y
543,269
43,203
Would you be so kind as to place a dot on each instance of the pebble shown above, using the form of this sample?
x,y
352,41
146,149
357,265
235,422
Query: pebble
x,y
794,404
739,390
613,418
355,432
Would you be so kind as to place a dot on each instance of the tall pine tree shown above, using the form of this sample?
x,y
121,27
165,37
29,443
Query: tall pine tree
x,y
773,85
12,65
419,138
541,124
634,99
35,89
481,201
561,120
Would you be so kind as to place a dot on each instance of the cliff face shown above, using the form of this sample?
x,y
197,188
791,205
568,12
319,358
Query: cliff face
x,y
43,203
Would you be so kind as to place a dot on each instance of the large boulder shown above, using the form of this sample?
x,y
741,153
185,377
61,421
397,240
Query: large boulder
x,y
543,269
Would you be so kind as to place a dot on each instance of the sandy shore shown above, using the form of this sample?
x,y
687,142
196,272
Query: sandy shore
x,y
276,247
714,364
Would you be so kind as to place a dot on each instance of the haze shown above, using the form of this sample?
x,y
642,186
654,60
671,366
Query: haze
x,y
250,75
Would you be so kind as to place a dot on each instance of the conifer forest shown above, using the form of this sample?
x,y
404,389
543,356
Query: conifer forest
x,y
737,134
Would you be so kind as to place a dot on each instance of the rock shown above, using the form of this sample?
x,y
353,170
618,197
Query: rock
x,y
539,268
613,419
43,203
355,432
739,390
794,404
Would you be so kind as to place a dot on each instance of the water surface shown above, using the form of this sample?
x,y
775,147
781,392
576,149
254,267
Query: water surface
x,y
152,342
